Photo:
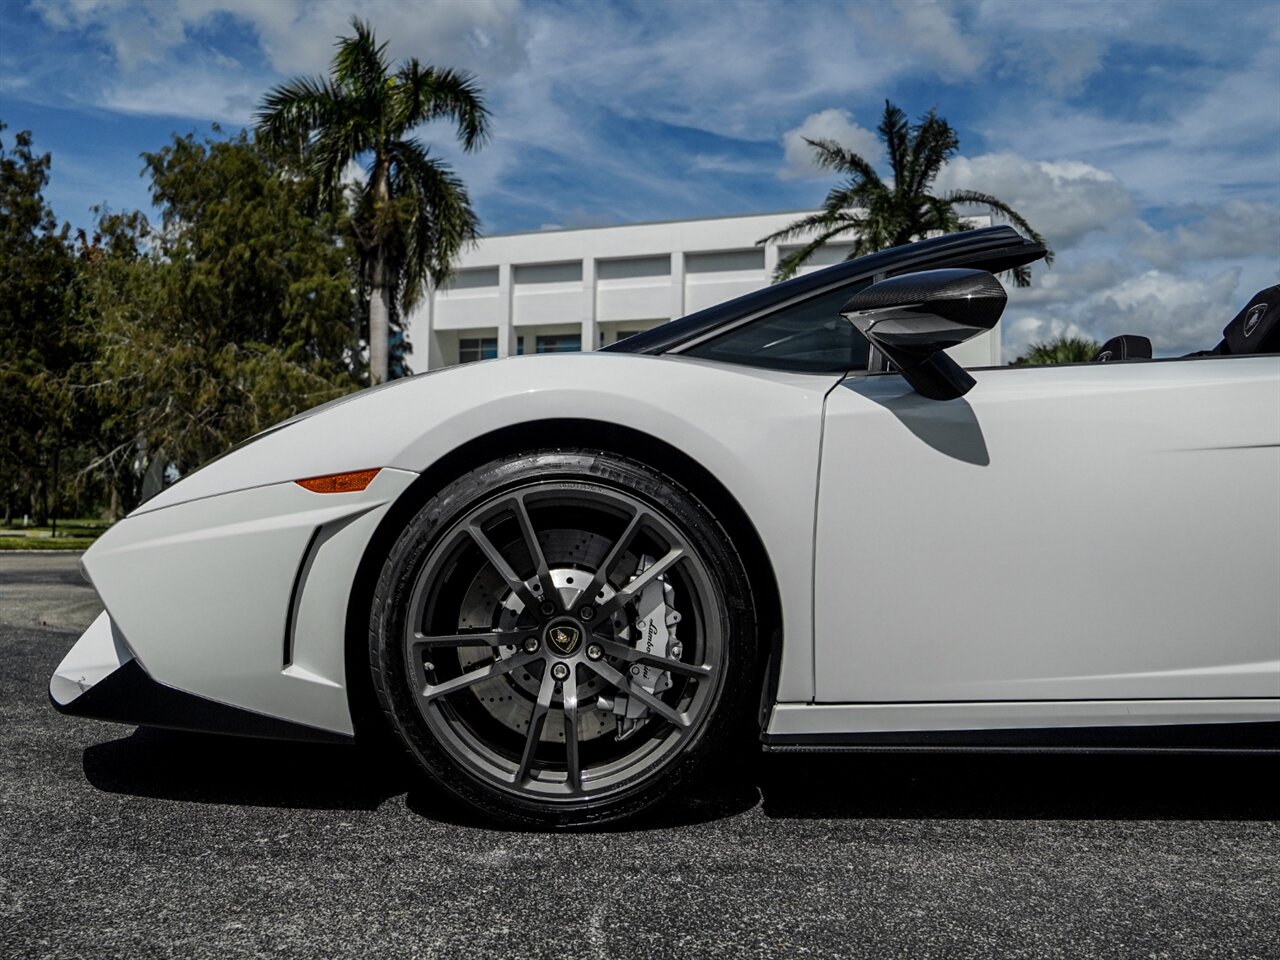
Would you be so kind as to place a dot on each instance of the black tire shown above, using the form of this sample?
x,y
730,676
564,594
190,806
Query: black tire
x,y
469,738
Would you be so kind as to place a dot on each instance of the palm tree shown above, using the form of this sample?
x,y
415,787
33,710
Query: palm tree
x,y
411,214
879,214
1061,349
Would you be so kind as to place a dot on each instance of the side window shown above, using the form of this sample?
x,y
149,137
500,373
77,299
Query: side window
x,y
807,337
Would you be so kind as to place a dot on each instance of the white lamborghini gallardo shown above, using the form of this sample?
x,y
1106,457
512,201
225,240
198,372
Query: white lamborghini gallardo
x,y
568,583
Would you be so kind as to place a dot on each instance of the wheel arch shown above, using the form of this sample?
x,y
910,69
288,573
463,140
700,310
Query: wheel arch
x,y
563,432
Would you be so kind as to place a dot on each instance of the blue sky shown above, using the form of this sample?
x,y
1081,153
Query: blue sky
x,y
1142,139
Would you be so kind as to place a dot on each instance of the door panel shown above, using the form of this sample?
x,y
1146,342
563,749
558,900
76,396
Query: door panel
x,y
1086,532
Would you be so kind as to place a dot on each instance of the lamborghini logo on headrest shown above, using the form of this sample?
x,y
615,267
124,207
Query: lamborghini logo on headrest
x,y
565,638
1253,318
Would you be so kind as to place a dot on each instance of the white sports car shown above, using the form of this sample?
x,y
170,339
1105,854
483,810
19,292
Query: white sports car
x,y
569,582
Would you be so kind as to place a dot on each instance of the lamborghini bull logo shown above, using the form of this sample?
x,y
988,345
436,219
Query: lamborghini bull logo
x,y
1253,318
564,638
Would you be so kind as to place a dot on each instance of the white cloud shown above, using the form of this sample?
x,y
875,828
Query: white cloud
x,y
484,36
1231,231
927,30
298,36
1179,314
1064,200
1061,61
166,67
835,125
138,34
200,88
575,89
1218,138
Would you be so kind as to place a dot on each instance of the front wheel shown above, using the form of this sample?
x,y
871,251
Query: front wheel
x,y
563,637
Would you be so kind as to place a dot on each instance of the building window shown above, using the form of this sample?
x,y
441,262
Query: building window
x,y
568,272
725,261
560,343
473,278
634,267
471,349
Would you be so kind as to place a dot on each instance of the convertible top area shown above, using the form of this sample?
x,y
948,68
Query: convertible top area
x,y
993,249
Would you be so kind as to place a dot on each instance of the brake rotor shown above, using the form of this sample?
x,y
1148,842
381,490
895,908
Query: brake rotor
x,y
489,603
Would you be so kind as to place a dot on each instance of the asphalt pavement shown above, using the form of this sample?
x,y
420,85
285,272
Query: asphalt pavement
x,y
117,842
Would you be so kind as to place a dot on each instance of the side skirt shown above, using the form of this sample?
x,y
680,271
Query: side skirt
x,y
1245,737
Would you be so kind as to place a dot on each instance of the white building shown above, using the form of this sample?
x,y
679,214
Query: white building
x,y
553,290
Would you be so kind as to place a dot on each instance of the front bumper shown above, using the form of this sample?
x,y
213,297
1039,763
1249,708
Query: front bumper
x,y
100,678
227,613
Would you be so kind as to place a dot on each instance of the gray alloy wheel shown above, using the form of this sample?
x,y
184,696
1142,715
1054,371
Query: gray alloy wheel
x,y
559,637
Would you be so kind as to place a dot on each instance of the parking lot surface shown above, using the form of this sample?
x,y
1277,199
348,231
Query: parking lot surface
x,y
117,842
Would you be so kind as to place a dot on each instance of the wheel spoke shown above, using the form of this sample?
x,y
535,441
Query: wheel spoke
x,y
481,638
549,591
472,677
630,654
632,589
662,709
572,762
536,720
602,573
518,586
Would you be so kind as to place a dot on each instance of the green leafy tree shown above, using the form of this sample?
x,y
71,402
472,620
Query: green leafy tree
x,y
876,215
1061,349
412,215
38,345
238,311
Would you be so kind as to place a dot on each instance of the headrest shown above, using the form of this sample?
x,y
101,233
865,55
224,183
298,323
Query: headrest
x,y
1124,347
1256,328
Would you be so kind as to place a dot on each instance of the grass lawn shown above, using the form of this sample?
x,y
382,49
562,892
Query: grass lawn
x,y
73,534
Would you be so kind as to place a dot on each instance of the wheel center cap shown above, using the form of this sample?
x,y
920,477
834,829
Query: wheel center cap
x,y
564,637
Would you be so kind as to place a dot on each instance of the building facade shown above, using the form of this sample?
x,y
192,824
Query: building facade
x,y
556,290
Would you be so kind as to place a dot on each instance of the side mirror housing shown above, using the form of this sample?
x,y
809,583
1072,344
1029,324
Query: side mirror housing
x,y
912,318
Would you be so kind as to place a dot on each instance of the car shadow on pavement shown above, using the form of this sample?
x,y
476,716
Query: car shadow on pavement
x,y
1044,786
192,767
206,768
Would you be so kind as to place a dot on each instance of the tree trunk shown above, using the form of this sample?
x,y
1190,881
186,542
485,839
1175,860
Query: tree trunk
x,y
379,322
381,294
56,499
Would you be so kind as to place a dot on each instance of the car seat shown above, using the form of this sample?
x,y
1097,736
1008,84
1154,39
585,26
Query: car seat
x,y
1256,328
1127,346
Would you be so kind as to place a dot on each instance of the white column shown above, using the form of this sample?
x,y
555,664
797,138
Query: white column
x,y
506,324
677,284
426,343
770,260
590,327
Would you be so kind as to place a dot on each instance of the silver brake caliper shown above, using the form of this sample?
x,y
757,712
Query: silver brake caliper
x,y
654,633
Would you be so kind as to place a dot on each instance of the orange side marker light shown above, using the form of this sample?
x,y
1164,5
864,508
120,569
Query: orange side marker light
x,y
352,482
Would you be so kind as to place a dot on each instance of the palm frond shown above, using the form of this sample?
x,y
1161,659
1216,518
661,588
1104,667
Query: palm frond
x,y
855,195
332,149
997,206
291,111
804,226
933,143
894,133
360,66
440,219
829,155
937,215
425,94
